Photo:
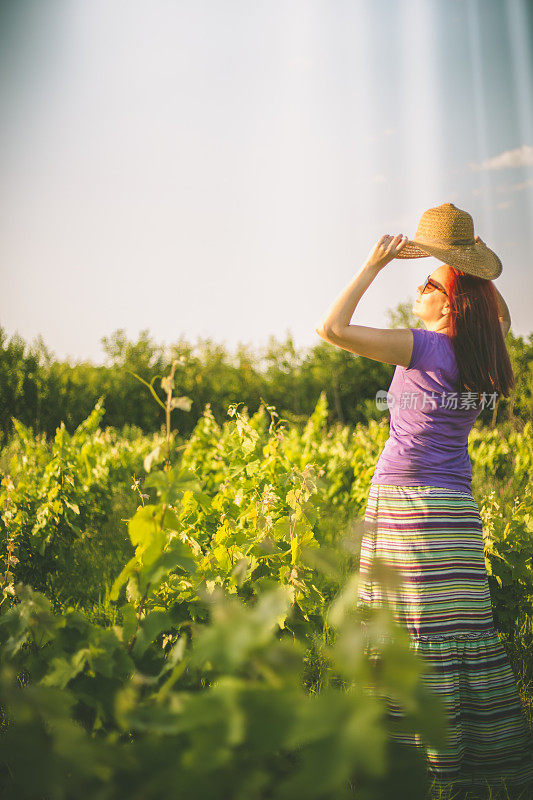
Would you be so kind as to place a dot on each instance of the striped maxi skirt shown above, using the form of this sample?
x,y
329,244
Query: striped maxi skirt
x,y
433,537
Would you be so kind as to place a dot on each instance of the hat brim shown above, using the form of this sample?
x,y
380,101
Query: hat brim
x,y
475,259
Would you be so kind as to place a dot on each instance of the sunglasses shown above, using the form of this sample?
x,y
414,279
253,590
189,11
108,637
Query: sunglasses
x,y
432,286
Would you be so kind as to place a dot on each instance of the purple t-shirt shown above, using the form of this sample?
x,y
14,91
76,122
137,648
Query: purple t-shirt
x,y
429,420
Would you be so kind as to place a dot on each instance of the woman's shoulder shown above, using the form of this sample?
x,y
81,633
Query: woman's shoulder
x,y
431,350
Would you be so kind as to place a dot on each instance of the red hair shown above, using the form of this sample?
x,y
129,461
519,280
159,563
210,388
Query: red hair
x,y
476,334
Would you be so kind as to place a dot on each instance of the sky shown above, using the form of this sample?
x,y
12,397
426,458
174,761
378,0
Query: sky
x,y
223,168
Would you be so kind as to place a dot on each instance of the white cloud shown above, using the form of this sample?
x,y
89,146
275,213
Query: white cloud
x,y
520,157
504,204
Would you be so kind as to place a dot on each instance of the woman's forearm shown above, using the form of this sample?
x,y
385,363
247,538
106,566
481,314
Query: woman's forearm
x,y
341,312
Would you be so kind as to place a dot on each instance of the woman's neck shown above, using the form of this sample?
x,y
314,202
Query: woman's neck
x,y
440,327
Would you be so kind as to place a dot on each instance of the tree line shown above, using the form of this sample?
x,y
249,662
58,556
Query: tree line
x,y
42,391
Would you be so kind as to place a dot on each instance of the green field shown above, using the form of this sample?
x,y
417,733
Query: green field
x,y
178,615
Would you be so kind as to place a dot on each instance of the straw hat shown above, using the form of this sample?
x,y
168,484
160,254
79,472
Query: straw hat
x,y
447,233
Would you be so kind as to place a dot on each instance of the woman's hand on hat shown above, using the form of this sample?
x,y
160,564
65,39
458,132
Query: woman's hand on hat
x,y
385,250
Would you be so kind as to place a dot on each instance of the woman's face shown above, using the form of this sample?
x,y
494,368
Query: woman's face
x,y
433,304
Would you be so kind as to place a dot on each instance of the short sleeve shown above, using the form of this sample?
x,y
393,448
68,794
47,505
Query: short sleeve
x,y
424,355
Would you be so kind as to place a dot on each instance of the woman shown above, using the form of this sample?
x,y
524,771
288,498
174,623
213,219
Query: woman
x,y
421,517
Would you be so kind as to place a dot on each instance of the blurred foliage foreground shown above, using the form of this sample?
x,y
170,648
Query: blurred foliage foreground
x,y
179,618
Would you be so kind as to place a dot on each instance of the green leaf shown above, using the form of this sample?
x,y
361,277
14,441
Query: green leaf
x,y
152,625
152,457
131,567
62,671
129,621
281,528
178,556
144,525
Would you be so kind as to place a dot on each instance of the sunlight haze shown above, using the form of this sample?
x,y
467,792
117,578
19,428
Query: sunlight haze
x,y
223,169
